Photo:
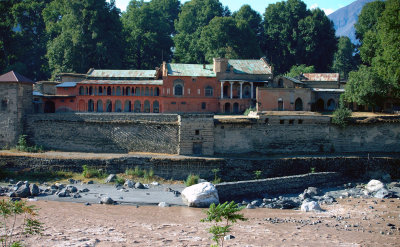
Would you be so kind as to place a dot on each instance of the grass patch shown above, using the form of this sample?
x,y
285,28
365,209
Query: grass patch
x,y
37,176
89,172
24,147
141,175
192,180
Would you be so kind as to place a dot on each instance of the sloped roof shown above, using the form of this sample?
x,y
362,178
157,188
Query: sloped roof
x,y
250,66
293,80
14,77
122,73
67,84
320,77
178,69
122,82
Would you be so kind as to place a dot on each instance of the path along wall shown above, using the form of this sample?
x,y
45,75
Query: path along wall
x,y
105,132
303,134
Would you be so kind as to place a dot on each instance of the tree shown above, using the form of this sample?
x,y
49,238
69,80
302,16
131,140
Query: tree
x,y
295,35
169,10
366,30
223,37
7,35
365,87
344,60
252,18
83,34
195,15
148,36
297,70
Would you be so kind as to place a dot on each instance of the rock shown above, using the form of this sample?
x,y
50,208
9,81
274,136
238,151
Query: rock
x,y
374,185
34,190
200,195
228,237
84,190
250,206
256,203
155,183
11,181
129,183
106,200
163,204
77,195
60,186
23,191
383,193
90,182
111,178
244,202
283,204
63,193
312,191
139,185
71,181
328,199
308,206
11,194
71,189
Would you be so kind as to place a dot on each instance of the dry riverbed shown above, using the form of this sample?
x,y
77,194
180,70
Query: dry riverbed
x,y
349,222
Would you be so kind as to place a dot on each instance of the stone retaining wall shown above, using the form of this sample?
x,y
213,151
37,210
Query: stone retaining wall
x,y
275,186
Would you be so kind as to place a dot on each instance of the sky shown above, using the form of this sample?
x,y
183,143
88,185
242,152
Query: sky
x,y
329,6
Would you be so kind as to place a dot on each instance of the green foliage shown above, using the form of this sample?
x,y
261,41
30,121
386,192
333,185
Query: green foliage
x,y
36,176
89,172
225,214
365,87
83,34
312,170
344,61
139,173
295,35
192,180
24,147
216,180
297,70
120,180
248,110
18,212
258,174
341,116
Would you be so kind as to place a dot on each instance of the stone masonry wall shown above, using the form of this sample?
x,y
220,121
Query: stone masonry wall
x,y
106,133
303,134
274,186
9,122
196,134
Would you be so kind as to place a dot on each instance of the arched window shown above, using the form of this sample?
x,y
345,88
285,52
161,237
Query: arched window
x,y
109,106
99,106
137,91
298,105
127,106
280,83
156,107
118,106
147,92
331,105
146,106
178,88
100,91
235,108
142,92
128,91
156,91
90,106
151,91
247,91
109,91
90,90
280,104
81,90
118,91
227,108
209,91
133,91
137,106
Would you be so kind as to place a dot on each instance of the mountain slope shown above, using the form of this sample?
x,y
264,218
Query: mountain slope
x,y
345,18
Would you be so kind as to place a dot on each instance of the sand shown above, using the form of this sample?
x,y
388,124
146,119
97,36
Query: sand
x,y
350,222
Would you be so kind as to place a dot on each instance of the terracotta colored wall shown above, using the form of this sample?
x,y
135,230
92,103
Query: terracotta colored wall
x,y
268,98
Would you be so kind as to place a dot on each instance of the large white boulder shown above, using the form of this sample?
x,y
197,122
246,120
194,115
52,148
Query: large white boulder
x,y
200,195
374,186
308,206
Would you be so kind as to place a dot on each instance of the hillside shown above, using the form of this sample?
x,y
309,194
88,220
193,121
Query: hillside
x,y
345,18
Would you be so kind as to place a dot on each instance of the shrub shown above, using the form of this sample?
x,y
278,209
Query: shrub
x,y
191,180
225,213
24,147
120,181
258,174
92,172
248,110
216,180
341,117
18,211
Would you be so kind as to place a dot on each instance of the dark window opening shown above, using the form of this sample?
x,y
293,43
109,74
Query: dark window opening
x,y
203,105
197,132
4,103
173,103
291,121
300,121
266,120
183,103
282,121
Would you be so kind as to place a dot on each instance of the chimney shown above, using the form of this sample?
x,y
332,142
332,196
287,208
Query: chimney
x,y
204,66
220,65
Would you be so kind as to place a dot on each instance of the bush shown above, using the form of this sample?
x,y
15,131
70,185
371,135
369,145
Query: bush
x,y
18,211
225,213
216,180
341,117
24,147
92,172
248,110
120,181
191,180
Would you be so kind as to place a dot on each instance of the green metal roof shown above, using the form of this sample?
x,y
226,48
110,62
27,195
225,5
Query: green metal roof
x,y
122,73
255,67
177,69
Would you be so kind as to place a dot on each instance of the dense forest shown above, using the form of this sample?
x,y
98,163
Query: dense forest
x,y
40,38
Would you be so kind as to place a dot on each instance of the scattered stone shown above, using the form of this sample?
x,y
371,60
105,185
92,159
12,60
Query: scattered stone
x,y
129,183
84,190
256,203
11,181
90,182
200,195
250,206
63,193
34,190
383,193
106,200
283,204
71,181
308,206
374,186
60,186
163,204
77,195
23,191
111,178
19,184
228,237
71,189
139,185
155,183
87,204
